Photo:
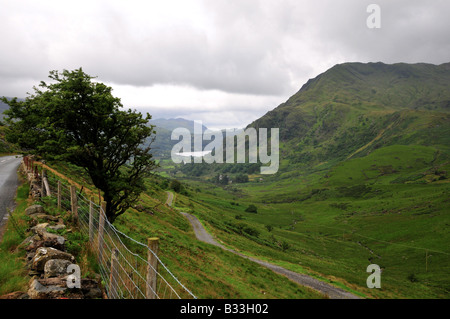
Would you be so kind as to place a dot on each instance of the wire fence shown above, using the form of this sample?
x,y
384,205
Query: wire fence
x,y
126,272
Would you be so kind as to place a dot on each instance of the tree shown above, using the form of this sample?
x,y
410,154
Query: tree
x,y
241,178
78,120
175,185
251,209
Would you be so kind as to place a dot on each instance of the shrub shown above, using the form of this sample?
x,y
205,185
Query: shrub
x,y
252,209
175,185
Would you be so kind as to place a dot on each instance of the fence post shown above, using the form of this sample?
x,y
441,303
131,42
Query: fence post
x,y
74,203
152,268
44,193
101,227
91,219
113,276
59,194
45,183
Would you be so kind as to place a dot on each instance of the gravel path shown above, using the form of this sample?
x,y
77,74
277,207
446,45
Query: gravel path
x,y
169,198
304,280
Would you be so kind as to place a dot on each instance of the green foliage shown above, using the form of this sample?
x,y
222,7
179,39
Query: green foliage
x,y
75,242
175,185
386,208
251,209
13,272
241,178
78,120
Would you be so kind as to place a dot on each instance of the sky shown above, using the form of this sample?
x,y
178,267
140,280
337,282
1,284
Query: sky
x,y
223,62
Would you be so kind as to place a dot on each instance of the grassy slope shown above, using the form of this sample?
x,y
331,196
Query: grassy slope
x,y
363,178
351,105
209,272
387,208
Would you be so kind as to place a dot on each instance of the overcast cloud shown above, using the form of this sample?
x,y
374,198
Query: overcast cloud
x,y
220,61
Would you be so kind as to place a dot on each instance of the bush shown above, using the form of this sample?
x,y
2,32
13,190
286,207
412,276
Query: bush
x,y
252,209
251,231
175,186
241,178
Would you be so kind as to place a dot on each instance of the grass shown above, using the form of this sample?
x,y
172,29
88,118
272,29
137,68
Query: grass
x,y
13,270
13,273
330,222
208,271
389,208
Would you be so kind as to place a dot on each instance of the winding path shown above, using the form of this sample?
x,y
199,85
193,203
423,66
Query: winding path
x,y
304,280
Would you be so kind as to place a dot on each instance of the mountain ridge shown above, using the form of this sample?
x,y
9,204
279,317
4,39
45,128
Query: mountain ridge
x,y
347,106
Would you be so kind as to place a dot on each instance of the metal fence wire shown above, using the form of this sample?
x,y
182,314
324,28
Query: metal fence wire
x,y
125,274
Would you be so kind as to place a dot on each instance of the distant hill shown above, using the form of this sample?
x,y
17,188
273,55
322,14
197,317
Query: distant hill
x,y
162,145
3,107
5,147
171,124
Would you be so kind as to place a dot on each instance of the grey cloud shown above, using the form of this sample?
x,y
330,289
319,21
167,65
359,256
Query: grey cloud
x,y
254,47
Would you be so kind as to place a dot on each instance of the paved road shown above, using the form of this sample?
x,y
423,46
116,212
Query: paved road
x,y
8,184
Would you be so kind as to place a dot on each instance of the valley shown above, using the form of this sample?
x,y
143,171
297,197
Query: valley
x,y
363,179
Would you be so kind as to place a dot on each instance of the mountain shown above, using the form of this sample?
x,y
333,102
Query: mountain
x,y
5,147
3,107
171,124
364,179
162,145
354,108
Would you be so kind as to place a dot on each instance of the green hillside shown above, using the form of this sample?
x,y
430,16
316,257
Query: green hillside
x,y
354,108
364,178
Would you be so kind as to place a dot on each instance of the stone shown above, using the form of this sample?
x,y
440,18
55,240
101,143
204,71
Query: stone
x,y
39,291
44,254
56,267
35,209
57,227
45,239
91,289
27,242
50,237
44,217
55,288
15,295
40,226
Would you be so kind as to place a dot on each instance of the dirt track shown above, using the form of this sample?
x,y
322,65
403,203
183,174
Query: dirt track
x,y
304,280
